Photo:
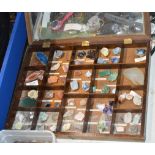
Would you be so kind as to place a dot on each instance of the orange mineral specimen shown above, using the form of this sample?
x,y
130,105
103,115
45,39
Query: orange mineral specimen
x,y
52,79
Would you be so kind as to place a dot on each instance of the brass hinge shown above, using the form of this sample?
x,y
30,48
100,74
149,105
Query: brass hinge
x,y
127,41
46,44
85,43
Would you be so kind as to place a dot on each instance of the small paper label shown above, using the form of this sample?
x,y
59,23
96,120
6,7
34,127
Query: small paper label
x,y
47,100
33,83
54,73
140,59
78,79
56,62
120,129
73,26
120,124
98,79
85,81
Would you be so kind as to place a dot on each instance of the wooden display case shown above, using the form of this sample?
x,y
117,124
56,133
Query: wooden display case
x,y
77,120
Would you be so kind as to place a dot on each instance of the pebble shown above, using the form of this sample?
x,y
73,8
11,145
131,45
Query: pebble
x,y
65,67
58,54
129,97
140,52
53,128
79,116
127,117
100,107
52,79
85,86
137,100
112,76
43,116
68,113
59,95
33,94
100,60
115,60
49,94
83,102
56,105
71,102
122,98
104,51
116,51
136,119
66,127
74,85
77,73
113,91
105,89
55,67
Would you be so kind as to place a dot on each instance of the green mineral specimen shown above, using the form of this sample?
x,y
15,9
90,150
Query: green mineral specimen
x,y
104,73
27,102
94,88
105,89
112,76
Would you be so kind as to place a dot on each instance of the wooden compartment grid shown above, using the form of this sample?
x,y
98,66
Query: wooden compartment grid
x,y
42,87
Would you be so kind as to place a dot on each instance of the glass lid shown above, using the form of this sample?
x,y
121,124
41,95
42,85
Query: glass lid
x,y
65,25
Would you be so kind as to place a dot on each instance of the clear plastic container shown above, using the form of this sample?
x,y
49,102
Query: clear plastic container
x,y
14,136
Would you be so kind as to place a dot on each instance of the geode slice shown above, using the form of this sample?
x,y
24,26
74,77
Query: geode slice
x,y
81,54
91,54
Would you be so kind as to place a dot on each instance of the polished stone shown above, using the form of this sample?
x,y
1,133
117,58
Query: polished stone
x,y
42,58
37,75
74,85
